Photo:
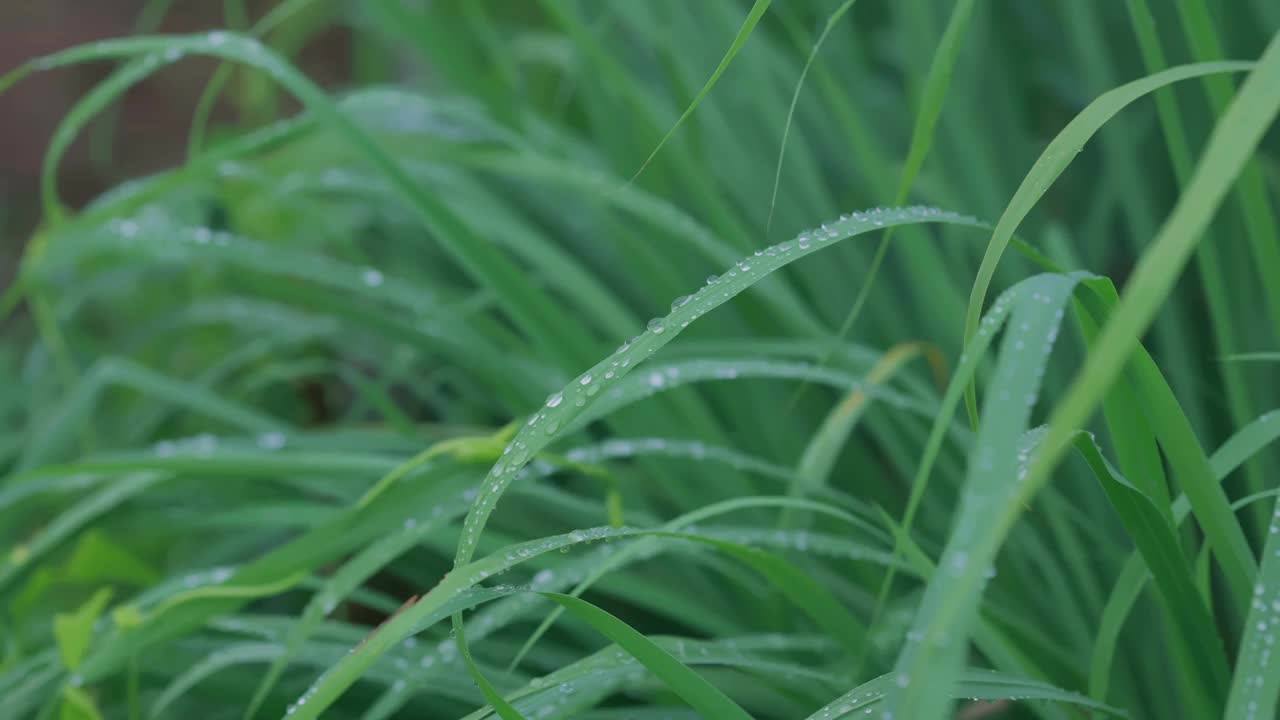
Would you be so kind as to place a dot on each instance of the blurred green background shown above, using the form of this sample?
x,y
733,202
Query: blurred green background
x,y
232,333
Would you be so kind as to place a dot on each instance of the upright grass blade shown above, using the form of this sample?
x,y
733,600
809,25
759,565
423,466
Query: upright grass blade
x,y
1191,468
820,454
1198,653
753,18
1053,161
1255,686
1251,194
1235,137
994,492
1233,140
934,94
991,325
834,18
1209,257
1129,584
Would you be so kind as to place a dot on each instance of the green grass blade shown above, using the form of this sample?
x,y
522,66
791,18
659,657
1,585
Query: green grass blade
x,y
1251,193
832,619
995,490
70,522
209,96
491,694
1198,653
357,570
753,17
1233,453
1268,357
1254,688
1054,160
1192,469
975,684
834,18
704,697
932,98
563,407
1232,142
821,453
531,308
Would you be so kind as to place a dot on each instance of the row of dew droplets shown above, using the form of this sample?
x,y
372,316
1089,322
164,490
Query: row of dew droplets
x,y
990,325
1260,638
564,406
157,233
994,485
670,375
167,49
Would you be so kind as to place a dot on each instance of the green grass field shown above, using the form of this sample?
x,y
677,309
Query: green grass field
x,y
660,359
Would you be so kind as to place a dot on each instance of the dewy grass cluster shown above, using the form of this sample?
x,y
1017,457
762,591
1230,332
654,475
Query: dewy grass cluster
x,y
567,364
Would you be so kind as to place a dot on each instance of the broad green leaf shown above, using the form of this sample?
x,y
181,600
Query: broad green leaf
x,y
74,630
77,705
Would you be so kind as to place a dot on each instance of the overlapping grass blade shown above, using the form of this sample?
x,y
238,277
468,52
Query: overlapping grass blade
x,y
704,697
1054,160
994,492
1233,140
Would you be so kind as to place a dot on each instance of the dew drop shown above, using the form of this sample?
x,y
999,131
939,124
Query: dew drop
x,y
272,440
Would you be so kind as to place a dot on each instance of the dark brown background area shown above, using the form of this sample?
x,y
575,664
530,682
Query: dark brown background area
x,y
150,127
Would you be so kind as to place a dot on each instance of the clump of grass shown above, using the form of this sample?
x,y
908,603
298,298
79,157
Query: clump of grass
x,y
329,418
